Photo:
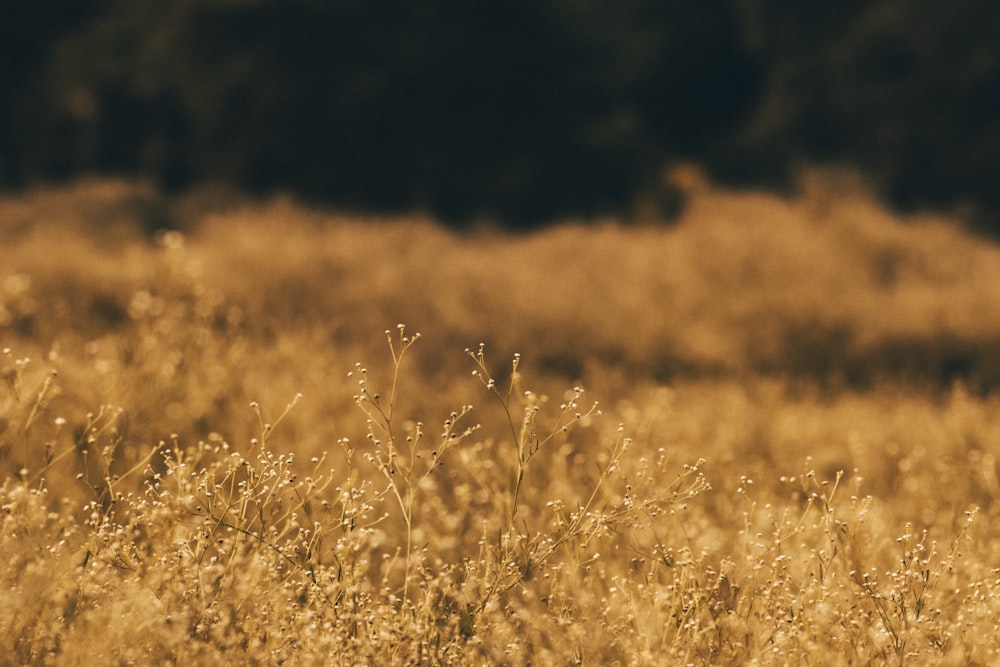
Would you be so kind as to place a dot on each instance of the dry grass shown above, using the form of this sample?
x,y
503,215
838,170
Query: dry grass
x,y
212,453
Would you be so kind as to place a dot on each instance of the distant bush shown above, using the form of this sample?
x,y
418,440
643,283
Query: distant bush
x,y
902,90
519,111
522,111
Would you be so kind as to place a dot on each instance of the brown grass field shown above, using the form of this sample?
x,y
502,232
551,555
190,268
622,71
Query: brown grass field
x,y
765,435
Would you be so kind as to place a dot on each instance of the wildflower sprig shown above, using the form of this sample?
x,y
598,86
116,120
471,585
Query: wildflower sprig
x,y
524,429
402,459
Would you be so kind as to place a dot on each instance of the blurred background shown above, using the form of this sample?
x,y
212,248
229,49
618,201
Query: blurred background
x,y
517,112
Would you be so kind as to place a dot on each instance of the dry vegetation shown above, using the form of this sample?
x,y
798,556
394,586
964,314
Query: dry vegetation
x,y
212,454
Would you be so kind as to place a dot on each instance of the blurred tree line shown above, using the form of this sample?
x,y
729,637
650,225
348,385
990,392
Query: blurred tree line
x,y
522,110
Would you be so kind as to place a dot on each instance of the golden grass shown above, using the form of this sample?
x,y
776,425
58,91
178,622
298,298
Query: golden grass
x,y
212,453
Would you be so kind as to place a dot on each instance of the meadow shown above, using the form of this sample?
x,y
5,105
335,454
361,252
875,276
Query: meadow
x,y
259,432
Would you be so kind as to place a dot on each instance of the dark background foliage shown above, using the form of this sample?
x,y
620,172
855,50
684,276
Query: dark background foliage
x,y
520,111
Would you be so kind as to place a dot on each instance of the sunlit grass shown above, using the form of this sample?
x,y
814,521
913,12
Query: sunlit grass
x,y
767,435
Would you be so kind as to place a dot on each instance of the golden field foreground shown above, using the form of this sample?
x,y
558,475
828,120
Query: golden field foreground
x,y
218,447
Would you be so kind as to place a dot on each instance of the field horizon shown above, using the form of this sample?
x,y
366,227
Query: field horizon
x,y
255,431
